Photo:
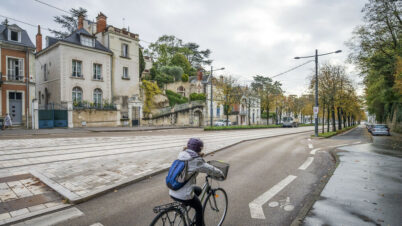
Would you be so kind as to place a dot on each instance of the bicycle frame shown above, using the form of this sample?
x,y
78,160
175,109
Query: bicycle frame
x,y
206,187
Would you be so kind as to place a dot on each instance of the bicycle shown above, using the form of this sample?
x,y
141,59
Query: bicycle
x,y
178,214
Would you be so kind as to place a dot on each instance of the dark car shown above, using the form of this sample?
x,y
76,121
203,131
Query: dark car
x,y
380,130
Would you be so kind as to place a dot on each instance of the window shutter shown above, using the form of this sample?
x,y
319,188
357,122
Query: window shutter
x,y
21,69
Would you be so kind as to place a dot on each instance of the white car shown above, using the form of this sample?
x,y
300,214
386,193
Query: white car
x,y
222,122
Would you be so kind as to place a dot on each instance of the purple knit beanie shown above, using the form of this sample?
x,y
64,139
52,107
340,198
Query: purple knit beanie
x,y
195,144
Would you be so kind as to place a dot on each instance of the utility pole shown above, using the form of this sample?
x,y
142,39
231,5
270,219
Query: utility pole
x,y
316,85
211,106
316,94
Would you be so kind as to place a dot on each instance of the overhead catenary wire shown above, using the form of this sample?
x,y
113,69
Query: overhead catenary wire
x,y
294,68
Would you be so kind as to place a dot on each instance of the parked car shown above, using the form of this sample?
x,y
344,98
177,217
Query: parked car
x,y
289,122
380,130
222,122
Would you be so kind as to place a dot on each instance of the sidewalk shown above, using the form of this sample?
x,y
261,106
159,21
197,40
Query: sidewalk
x,y
365,188
22,131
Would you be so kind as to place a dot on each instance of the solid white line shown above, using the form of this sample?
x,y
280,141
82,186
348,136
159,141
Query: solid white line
x,y
314,151
310,146
307,163
256,205
54,218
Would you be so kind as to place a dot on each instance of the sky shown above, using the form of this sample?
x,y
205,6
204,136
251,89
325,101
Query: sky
x,y
246,37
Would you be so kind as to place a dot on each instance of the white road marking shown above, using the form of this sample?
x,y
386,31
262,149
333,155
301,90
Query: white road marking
x,y
307,163
357,142
314,151
256,205
54,218
96,224
310,146
309,139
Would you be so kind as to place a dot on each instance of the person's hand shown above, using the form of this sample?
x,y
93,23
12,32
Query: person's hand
x,y
202,154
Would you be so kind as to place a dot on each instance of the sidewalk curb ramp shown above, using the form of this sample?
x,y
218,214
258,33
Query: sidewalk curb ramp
x,y
75,199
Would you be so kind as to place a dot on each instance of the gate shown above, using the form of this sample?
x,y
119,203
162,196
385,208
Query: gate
x,y
52,116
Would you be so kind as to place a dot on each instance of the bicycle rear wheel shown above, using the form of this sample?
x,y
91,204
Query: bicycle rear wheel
x,y
169,217
215,207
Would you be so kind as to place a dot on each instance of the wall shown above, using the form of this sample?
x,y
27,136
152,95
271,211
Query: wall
x,y
52,59
173,87
87,83
95,118
124,87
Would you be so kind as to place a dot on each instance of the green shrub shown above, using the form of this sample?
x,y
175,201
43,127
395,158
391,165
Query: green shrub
x,y
175,98
330,134
197,96
184,78
240,127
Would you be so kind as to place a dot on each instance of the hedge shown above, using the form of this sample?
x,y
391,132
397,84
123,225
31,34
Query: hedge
x,y
330,134
241,127
175,98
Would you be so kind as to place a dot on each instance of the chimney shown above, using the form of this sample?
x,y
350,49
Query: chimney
x,y
199,74
80,21
38,40
100,22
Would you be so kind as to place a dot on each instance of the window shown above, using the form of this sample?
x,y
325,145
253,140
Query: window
x,y
125,72
77,69
15,69
98,97
124,50
44,72
86,41
14,36
218,111
77,95
97,72
181,90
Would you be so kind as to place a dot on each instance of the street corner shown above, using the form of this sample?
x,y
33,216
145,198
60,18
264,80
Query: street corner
x,y
23,196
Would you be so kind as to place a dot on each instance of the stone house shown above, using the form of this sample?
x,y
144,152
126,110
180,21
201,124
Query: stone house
x,y
17,71
74,69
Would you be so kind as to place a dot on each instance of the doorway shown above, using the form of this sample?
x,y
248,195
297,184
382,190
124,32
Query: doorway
x,y
15,107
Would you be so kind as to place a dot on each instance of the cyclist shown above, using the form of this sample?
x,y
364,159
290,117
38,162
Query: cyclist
x,y
196,164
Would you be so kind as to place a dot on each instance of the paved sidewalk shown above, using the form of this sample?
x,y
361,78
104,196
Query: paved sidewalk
x,y
365,188
79,168
7,133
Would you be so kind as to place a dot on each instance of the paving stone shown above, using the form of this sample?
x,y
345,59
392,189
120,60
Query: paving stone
x,y
19,189
37,207
19,212
4,216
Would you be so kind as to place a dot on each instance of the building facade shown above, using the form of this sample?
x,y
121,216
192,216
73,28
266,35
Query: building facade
x,y
125,64
75,69
17,71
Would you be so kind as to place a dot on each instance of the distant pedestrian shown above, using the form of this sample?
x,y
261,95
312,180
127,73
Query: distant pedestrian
x,y
7,121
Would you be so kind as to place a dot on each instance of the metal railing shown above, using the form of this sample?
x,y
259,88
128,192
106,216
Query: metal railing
x,y
100,106
15,77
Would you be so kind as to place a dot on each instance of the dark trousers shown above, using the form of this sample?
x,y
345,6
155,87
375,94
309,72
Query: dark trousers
x,y
195,203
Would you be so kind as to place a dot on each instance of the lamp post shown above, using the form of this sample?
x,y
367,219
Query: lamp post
x,y
211,106
316,83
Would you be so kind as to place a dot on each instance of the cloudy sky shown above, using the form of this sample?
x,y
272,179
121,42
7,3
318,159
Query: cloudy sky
x,y
246,37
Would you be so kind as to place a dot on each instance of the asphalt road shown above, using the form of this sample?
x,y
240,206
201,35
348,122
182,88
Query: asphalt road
x,y
256,168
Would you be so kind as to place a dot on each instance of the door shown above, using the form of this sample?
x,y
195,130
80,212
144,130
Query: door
x,y
15,107
136,116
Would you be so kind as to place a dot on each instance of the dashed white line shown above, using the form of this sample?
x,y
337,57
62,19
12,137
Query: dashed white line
x,y
307,163
256,205
310,146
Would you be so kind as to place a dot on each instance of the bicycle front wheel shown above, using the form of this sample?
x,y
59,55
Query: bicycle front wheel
x,y
169,217
215,207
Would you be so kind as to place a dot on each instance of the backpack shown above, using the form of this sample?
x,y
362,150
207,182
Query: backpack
x,y
177,176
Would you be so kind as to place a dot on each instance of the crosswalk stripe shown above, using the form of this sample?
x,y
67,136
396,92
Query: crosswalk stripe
x,y
53,218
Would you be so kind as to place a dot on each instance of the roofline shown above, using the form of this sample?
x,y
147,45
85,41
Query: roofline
x,y
14,44
61,42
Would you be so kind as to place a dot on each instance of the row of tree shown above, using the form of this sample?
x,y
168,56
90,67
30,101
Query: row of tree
x,y
338,100
376,50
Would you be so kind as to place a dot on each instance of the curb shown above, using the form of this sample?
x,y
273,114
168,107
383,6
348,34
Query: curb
x,y
17,219
317,192
75,199
148,129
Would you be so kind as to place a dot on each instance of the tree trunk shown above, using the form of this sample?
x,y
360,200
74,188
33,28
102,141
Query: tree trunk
x,y
333,118
339,118
227,119
344,118
323,117
348,119
328,118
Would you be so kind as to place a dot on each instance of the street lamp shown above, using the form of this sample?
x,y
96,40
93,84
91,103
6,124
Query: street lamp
x,y
211,110
316,83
